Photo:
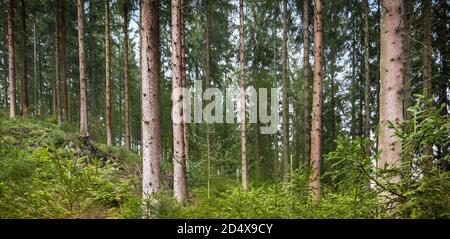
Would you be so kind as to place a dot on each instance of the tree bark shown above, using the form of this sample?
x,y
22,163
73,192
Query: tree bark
x,y
151,116
306,85
244,161
285,102
391,83
179,157
408,58
66,111
82,65
108,76
25,102
35,74
183,79
316,126
126,76
366,74
11,60
58,61
427,48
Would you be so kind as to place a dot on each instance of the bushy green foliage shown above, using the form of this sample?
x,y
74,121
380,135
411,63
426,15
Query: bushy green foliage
x,y
45,173
425,184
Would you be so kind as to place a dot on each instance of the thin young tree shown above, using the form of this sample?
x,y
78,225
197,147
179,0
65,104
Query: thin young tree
x,y
366,73
63,32
407,79
82,66
150,80
107,76
285,101
427,49
126,74
57,104
244,162
316,124
391,83
11,60
25,102
179,157
306,86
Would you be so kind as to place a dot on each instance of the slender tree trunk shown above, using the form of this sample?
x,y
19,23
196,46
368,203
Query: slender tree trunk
x,y
151,116
408,57
427,51
11,60
25,102
35,74
242,90
207,84
306,85
184,82
66,112
244,160
108,76
332,102
58,61
82,64
285,114
427,47
179,157
366,74
126,71
316,126
391,83
353,83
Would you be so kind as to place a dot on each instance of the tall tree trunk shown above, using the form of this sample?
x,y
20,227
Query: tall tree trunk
x,y
82,65
316,126
184,82
306,85
58,61
366,73
353,83
151,116
408,58
126,71
427,47
207,84
11,60
242,90
177,107
391,83
108,76
35,74
25,102
66,112
285,114
427,51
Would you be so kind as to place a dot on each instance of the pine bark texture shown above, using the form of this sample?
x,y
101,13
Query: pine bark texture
x,y
25,101
316,124
58,62
285,100
82,65
151,116
391,83
126,75
179,157
11,60
244,160
306,85
366,73
108,76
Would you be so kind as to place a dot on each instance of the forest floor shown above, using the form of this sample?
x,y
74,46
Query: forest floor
x,y
49,171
